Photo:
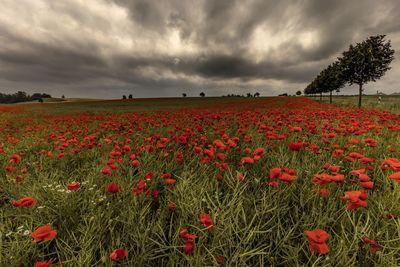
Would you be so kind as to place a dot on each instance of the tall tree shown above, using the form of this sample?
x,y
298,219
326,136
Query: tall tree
x,y
366,61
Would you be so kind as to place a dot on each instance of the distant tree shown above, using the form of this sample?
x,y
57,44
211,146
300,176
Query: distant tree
x,y
184,95
124,97
249,95
298,92
202,94
63,96
40,100
257,94
130,96
366,61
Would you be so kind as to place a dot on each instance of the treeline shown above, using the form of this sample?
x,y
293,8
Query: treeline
x,y
257,94
21,96
361,63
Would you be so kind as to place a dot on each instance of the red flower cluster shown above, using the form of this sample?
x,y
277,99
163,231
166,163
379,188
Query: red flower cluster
x,y
317,239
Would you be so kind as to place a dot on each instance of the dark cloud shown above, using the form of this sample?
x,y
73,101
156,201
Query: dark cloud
x,y
161,48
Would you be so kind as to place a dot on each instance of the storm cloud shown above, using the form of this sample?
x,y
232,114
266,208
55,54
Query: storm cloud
x,y
106,48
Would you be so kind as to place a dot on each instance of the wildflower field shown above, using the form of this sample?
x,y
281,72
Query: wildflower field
x,y
283,181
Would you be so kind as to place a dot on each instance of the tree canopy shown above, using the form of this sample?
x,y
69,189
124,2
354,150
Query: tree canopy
x,y
361,63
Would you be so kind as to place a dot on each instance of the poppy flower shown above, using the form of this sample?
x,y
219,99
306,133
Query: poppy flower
x,y
295,146
135,163
220,260
393,163
395,176
189,245
74,186
166,175
19,178
197,149
24,202
139,188
184,233
44,232
118,254
15,158
367,185
170,181
106,170
206,220
274,173
113,188
273,184
355,199
317,239
286,177
323,192
44,263
171,206
259,151
247,160
240,176
372,243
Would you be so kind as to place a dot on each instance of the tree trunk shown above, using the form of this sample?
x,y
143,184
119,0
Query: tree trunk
x,y
330,97
359,95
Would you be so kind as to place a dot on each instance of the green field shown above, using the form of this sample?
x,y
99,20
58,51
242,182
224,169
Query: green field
x,y
249,177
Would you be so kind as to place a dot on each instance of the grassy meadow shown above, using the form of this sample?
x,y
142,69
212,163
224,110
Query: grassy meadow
x,y
201,182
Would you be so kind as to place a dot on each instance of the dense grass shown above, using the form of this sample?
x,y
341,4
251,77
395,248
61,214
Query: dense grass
x,y
254,224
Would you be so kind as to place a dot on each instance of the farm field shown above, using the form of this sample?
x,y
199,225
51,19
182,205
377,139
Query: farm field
x,y
388,102
280,181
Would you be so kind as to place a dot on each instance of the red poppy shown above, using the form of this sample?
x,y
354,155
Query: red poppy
x,y
135,163
184,233
44,232
106,170
317,239
74,186
286,177
247,160
259,151
273,184
189,245
139,188
118,254
295,146
206,220
19,178
367,185
355,199
15,158
113,188
220,260
274,173
44,263
24,202
323,192
373,244
171,206
395,176
170,181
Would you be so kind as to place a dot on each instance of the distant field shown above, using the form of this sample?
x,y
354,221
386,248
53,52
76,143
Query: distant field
x,y
389,103
141,104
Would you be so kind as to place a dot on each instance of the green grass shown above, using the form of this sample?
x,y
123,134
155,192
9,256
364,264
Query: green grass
x,y
389,103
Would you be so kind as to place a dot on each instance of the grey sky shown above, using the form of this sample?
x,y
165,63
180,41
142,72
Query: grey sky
x,y
106,48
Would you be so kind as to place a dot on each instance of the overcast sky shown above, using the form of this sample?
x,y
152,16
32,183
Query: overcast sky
x,y
106,48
